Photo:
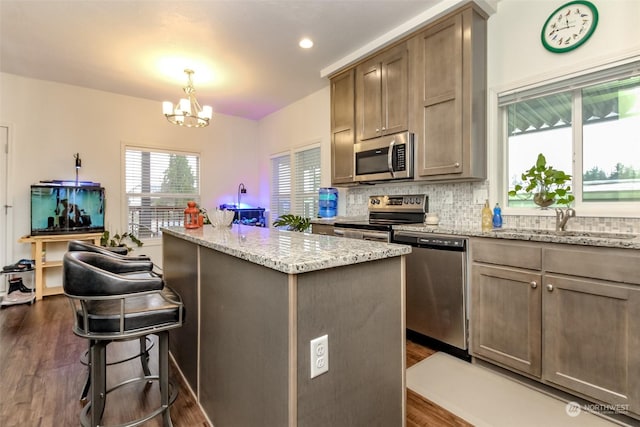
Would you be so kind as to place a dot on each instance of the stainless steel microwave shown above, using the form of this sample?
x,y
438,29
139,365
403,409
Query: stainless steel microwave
x,y
385,158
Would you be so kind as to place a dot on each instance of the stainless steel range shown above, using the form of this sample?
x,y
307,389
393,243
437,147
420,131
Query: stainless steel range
x,y
384,212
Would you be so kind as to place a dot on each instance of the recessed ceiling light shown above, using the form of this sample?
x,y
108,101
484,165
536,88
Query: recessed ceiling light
x,y
306,43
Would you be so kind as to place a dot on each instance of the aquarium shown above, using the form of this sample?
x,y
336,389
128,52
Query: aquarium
x,y
66,209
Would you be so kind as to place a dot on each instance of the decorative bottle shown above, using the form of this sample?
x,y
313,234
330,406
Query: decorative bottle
x,y
497,216
486,217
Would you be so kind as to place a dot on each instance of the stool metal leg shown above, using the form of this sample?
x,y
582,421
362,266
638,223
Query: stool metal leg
x,y
144,356
87,383
98,380
163,359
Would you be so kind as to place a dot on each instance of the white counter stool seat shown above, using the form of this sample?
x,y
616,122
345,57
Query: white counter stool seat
x,y
111,302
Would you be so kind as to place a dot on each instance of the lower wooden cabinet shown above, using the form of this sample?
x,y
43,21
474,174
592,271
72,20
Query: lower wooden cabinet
x,y
543,319
506,318
591,338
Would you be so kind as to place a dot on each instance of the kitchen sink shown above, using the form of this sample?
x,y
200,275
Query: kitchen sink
x,y
585,234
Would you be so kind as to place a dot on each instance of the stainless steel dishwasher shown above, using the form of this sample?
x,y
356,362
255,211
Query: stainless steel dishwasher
x,y
436,292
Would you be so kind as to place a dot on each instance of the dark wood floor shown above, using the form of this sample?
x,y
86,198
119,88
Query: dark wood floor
x,y
41,377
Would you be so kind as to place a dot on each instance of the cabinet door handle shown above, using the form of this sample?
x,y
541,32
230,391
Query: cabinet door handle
x,y
550,287
533,284
384,128
377,130
457,165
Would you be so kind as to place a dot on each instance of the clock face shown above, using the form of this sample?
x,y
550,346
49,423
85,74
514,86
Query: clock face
x,y
569,26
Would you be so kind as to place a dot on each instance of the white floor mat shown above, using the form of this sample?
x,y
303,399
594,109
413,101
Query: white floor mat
x,y
486,399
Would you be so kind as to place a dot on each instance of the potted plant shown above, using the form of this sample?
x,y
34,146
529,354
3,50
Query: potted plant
x,y
546,184
119,240
292,222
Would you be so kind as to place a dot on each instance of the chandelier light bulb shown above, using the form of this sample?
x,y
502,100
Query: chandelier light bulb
x,y
188,112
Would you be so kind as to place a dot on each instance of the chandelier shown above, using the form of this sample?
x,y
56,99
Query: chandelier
x,y
187,111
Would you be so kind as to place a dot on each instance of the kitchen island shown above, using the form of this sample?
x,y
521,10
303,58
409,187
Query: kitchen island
x,y
256,297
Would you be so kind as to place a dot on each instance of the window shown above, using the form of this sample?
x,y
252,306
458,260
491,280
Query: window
x,y
588,126
295,193
280,186
158,186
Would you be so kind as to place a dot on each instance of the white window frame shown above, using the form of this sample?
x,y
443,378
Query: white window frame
x,y
294,195
500,152
125,196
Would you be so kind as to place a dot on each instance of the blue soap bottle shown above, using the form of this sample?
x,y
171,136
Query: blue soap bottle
x,y
497,216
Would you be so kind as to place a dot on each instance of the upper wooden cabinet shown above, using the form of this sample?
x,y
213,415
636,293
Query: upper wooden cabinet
x,y
448,97
431,83
382,94
342,128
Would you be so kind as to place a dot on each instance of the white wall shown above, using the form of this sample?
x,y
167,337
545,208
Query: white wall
x,y
304,122
516,55
50,122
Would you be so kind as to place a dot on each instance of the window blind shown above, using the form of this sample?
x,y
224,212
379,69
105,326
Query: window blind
x,y
307,182
280,186
158,186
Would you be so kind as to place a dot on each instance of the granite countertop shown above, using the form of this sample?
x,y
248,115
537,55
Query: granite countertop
x,y
287,251
571,237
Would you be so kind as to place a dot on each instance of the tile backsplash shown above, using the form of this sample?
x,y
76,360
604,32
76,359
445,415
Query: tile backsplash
x,y
455,205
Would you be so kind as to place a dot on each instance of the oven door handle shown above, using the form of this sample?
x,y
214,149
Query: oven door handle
x,y
338,232
390,157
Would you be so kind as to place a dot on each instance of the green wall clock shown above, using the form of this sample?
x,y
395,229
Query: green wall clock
x,y
569,26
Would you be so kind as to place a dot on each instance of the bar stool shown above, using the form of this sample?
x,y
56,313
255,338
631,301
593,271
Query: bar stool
x,y
146,269
108,306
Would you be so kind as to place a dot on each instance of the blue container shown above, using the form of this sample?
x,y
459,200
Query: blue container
x,y
327,202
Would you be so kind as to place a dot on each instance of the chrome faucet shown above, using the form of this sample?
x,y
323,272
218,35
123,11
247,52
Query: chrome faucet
x,y
562,217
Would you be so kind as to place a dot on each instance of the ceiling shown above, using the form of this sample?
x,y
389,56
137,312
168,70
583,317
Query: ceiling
x,y
244,52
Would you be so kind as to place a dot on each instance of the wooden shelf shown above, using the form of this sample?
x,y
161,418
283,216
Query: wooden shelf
x,y
48,264
38,245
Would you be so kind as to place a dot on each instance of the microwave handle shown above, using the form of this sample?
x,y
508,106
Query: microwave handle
x,y
390,157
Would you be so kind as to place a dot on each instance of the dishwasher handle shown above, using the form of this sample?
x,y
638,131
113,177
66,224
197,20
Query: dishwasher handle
x,y
429,241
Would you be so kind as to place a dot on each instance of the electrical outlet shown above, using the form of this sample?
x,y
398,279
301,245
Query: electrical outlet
x,y
319,355
480,196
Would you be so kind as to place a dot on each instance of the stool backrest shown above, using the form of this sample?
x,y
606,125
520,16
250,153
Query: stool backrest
x,y
89,274
116,252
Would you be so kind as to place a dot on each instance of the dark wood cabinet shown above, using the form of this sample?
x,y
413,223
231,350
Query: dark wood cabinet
x,y
507,324
431,83
449,97
382,94
342,128
567,316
